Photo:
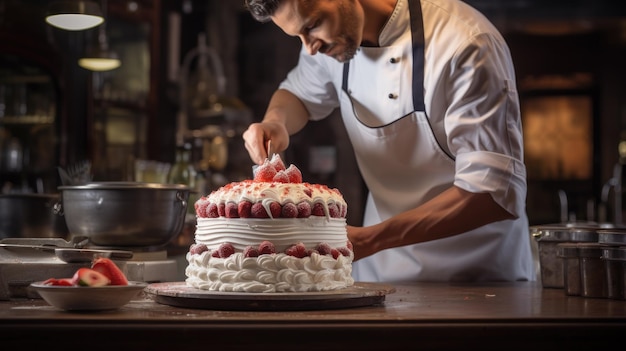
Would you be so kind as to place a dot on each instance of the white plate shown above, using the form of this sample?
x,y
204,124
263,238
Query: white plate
x,y
85,298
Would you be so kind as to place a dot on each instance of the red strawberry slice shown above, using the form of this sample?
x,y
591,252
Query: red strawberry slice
x,y
109,269
89,277
294,174
265,173
59,282
281,177
277,163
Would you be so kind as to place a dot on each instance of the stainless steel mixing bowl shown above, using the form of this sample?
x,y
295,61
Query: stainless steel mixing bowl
x,y
125,214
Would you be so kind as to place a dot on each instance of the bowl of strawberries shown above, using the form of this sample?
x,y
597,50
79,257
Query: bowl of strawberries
x,y
103,286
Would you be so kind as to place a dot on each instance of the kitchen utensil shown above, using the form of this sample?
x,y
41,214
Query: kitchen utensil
x,y
76,174
548,237
86,298
125,214
614,258
268,149
74,255
31,216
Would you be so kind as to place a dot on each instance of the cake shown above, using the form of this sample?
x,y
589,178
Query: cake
x,y
273,233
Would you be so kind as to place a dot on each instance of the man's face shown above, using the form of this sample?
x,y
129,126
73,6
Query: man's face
x,y
330,27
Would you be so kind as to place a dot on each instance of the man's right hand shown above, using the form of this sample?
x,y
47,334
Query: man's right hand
x,y
256,138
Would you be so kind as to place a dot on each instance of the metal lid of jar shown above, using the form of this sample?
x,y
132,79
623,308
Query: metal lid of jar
x,y
564,233
614,253
590,250
612,236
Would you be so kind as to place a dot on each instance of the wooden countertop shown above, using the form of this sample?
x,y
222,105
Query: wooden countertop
x,y
498,316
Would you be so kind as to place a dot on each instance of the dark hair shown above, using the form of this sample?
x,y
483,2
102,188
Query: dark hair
x,y
262,10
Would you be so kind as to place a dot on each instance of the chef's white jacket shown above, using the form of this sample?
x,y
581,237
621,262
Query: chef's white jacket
x,y
468,133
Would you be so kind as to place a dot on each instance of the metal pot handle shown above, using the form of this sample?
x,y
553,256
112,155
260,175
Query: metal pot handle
x,y
181,197
536,233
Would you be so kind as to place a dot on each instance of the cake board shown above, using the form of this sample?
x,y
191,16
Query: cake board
x,y
178,294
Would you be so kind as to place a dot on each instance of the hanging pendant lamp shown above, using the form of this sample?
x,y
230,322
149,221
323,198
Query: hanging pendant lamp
x,y
100,57
74,15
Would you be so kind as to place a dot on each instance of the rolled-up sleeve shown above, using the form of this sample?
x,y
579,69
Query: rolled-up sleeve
x,y
500,175
483,123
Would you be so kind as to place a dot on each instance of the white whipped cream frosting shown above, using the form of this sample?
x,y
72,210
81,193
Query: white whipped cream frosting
x,y
283,232
269,273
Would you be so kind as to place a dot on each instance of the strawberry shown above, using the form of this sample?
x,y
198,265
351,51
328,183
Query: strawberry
x,y
298,250
289,210
265,173
201,207
109,269
281,177
250,251
304,209
323,249
197,249
244,208
344,251
308,192
225,250
335,253
275,209
231,210
318,209
333,211
258,211
59,282
277,163
221,209
294,174
89,277
266,248
211,211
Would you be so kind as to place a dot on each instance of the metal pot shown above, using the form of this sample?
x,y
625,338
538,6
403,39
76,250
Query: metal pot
x,y
548,238
125,213
31,216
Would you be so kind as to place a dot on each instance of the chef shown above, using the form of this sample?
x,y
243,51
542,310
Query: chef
x,y
427,92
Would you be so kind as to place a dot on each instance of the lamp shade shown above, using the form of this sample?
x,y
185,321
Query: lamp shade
x,y
100,59
74,15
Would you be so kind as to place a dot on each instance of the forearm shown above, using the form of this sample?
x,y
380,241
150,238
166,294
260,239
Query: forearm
x,y
286,109
453,212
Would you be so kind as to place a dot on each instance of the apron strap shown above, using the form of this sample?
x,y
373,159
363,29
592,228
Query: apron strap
x,y
417,34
